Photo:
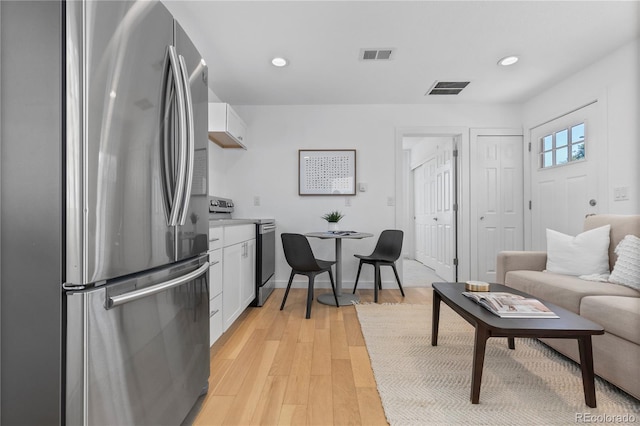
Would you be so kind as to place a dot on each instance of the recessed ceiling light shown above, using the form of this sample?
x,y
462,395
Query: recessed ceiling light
x,y
508,60
279,62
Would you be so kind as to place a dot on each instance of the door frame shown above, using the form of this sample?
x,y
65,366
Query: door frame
x,y
461,134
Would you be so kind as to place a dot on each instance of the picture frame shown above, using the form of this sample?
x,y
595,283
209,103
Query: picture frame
x,y
327,172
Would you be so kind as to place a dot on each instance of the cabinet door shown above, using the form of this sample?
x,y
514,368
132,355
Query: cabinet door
x,y
215,273
249,273
215,319
231,286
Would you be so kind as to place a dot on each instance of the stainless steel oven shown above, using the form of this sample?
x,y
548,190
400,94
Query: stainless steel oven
x,y
265,259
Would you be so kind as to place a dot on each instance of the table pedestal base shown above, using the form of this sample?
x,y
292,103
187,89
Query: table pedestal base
x,y
343,299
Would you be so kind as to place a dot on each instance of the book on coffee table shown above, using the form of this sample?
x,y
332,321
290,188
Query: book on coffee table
x,y
508,305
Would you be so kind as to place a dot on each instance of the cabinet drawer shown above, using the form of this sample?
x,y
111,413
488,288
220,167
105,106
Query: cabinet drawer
x,y
238,233
215,273
215,237
215,319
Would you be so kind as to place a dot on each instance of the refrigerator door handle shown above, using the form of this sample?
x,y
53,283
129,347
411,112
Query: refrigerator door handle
x,y
166,133
189,142
121,299
180,175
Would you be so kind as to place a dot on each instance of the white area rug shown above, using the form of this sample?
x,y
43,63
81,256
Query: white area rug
x,y
420,384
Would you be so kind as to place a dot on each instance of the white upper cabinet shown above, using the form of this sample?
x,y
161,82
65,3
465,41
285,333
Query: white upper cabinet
x,y
226,128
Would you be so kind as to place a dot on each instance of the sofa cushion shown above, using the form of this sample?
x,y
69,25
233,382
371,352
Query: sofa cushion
x,y
626,271
618,315
585,254
563,290
621,225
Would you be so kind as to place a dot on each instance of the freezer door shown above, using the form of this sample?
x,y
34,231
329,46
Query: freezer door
x,y
138,349
192,233
116,213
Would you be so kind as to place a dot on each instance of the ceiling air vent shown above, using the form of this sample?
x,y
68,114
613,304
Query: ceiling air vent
x,y
375,54
447,87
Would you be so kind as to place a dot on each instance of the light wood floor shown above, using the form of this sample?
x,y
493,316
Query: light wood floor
x,y
276,367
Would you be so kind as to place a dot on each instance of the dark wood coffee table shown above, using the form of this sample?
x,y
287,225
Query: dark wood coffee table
x,y
568,326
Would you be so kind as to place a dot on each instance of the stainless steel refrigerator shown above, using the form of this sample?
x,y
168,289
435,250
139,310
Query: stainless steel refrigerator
x,y
103,214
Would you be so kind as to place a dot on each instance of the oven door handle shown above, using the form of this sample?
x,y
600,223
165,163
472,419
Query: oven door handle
x,y
267,228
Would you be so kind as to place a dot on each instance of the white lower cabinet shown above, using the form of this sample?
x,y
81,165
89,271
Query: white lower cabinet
x,y
248,279
238,271
215,295
215,273
215,319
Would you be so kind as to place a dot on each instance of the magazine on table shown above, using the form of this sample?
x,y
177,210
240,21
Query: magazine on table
x,y
508,305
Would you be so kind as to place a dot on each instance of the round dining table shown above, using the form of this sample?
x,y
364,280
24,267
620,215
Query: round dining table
x,y
338,236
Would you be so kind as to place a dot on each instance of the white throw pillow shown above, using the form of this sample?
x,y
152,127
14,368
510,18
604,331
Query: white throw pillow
x,y
626,271
584,254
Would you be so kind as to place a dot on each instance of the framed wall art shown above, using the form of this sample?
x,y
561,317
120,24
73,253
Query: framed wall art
x,y
327,172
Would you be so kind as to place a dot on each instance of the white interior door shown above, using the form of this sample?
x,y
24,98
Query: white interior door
x,y
562,194
444,215
420,217
425,213
434,196
431,228
497,182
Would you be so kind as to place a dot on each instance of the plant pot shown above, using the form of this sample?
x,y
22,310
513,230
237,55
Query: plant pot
x,y
333,226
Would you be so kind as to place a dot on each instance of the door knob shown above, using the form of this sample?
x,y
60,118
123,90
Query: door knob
x,y
435,218
592,202
481,217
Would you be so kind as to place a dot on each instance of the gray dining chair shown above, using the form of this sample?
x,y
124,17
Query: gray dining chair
x,y
386,252
299,255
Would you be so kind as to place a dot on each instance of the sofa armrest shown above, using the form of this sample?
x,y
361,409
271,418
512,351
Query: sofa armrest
x,y
519,261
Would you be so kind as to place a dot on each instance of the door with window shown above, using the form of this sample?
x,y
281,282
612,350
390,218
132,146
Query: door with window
x,y
564,174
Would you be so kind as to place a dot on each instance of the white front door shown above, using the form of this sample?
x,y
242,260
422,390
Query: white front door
x,y
497,185
563,193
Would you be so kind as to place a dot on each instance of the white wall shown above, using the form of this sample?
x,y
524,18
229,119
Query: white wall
x,y
269,167
217,177
614,83
426,148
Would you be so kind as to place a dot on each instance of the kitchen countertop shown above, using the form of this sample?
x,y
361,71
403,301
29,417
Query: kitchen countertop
x,y
230,222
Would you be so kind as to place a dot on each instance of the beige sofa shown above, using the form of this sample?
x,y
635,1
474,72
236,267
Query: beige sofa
x,y
615,307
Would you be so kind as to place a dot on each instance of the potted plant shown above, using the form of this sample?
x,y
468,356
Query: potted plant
x,y
332,219
194,219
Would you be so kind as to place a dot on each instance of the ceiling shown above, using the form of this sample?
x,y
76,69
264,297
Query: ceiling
x,y
431,40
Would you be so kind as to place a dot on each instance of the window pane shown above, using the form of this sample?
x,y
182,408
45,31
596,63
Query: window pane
x,y
562,138
547,159
547,143
562,155
577,151
577,133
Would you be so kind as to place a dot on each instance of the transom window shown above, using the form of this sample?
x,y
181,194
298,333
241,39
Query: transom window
x,y
563,147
